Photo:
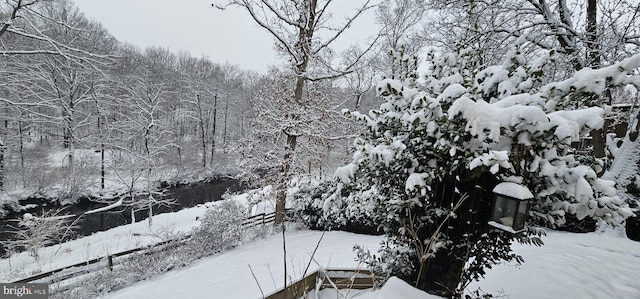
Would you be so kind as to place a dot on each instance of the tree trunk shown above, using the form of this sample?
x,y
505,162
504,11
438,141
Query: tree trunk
x,y
593,49
21,135
593,60
224,130
442,275
150,206
102,166
14,15
2,150
565,38
203,133
292,139
102,158
67,115
281,196
633,131
281,202
213,127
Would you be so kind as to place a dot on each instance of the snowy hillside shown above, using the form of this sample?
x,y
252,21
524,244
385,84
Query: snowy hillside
x,y
595,265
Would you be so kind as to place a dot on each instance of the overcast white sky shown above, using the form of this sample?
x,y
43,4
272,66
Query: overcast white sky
x,y
200,29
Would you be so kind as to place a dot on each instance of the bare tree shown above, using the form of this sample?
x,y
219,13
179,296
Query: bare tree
x,y
583,37
34,232
144,118
47,75
25,29
581,34
303,33
402,24
199,77
319,125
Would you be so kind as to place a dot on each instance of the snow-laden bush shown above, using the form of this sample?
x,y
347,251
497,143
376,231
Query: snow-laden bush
x,y
320,207
221,227
128,270
33,232
461,132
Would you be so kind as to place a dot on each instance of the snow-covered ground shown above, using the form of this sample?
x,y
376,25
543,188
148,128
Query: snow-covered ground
x,y
100,244
394,288
594,265
122,238
229,276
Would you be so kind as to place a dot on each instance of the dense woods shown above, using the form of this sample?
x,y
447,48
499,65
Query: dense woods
x,y
125,117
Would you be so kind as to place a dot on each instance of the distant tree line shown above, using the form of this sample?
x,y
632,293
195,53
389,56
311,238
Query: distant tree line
x,y
144,114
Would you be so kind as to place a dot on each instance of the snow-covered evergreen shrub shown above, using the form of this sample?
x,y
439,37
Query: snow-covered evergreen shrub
x,y
220,227
320,207
632,224
462,132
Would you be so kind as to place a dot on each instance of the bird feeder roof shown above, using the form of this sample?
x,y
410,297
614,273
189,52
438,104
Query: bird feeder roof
x,y
514,190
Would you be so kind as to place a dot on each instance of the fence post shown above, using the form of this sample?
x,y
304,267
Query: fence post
x,y
110,262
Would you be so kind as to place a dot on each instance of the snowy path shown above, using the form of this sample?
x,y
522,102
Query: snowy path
x,y
228,275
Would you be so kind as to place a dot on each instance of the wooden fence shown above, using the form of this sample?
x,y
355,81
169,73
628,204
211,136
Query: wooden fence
x,y
262,219
89,266
328,278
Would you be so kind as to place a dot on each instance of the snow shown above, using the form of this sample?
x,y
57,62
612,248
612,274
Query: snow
x,y
52,181
494,159
513,190
393,289
396,288
507,227
593,265
589,80
106,208
416,181
452,92
229,276
111,241
99,244
388,85
484,117
345,173
604,264
568,123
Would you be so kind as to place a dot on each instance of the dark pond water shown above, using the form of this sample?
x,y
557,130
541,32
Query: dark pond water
x,y
185,196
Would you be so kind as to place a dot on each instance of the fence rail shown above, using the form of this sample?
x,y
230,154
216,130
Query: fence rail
x,y
328,278
91,265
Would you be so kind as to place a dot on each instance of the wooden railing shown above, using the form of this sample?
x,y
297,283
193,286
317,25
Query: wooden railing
x,y
262,219
328,278
89,266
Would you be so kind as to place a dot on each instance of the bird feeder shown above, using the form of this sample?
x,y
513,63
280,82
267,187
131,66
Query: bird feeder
x,y
510,207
